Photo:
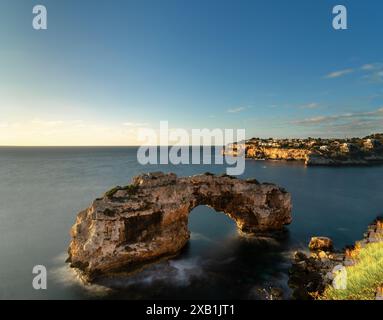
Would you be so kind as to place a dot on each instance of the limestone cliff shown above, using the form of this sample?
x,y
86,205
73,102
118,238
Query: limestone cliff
x,y
134,225
277,153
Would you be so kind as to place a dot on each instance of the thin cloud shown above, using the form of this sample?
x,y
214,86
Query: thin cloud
x,y
236,110
374,72
372,66
345,124
374,115
339,73
312,105
368,67
313,120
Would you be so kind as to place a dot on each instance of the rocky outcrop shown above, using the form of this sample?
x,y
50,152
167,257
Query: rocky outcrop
x,y
309,275
148,220
318,160
321,244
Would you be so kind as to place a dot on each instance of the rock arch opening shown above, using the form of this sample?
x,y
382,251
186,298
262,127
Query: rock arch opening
x,y
208,225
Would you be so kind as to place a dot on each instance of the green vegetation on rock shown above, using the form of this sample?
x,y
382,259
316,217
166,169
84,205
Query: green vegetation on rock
x,y
130,189
363,278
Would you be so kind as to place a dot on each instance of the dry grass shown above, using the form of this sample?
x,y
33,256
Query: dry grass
x,y
363,278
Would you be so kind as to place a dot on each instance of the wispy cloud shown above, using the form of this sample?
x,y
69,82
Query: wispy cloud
x,y
312,105
368,67
352,124
339,73
374,72
236,110
371,71
373,115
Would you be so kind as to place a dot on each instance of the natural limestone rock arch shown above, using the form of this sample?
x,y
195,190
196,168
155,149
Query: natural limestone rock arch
x,y
147,220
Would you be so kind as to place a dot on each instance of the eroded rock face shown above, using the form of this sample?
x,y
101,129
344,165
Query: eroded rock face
x,y
140,223
277,153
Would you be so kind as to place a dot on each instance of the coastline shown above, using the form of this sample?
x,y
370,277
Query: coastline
x,y
367,151
334,164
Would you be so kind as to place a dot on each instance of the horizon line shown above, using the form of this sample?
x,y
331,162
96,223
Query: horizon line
x,y
101,146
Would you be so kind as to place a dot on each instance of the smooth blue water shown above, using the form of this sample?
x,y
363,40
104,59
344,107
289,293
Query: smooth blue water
x,y
43,189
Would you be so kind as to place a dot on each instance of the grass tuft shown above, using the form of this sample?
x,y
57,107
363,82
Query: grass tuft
x,y
363,278
130,189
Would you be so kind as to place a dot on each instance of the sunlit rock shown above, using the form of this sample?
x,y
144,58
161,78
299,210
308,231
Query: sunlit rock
x,y
145,221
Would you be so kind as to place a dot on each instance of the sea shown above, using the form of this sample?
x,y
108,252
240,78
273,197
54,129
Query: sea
x,y
43,188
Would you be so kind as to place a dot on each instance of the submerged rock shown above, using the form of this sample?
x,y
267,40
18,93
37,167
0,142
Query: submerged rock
x,y
134,225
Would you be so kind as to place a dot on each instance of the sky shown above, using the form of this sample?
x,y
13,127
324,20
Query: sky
x,y
103,69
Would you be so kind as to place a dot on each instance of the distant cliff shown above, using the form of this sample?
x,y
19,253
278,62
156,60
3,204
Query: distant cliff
x,y
314,152
273,153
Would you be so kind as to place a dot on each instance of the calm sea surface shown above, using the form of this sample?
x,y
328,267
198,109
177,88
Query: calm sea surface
x,y
43,189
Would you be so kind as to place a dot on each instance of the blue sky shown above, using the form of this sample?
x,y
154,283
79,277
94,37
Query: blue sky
x,y
104,68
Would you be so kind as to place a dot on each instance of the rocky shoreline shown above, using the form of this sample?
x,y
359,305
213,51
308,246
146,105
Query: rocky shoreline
x,y
134,226
311,274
